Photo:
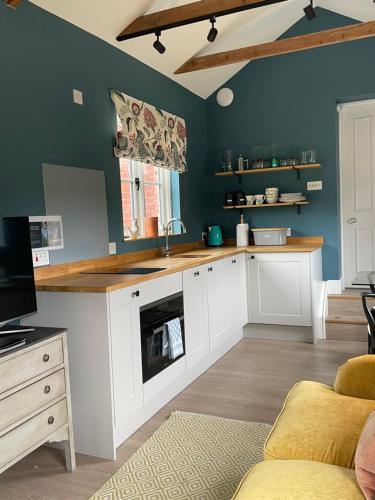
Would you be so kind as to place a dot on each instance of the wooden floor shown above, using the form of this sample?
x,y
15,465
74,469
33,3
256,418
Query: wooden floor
x,y
249,383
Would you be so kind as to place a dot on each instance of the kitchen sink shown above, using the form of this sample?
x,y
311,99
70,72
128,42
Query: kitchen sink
x,y
127,270
189,256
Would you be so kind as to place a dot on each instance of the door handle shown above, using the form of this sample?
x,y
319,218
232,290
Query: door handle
x,y
352,220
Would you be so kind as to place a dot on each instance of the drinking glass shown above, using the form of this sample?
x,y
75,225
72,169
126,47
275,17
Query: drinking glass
x,y
303,157
312,157
228,160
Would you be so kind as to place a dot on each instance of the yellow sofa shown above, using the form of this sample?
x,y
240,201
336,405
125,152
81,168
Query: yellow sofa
x,y
309,453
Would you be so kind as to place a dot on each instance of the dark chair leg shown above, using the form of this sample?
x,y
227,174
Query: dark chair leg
x,y
369,343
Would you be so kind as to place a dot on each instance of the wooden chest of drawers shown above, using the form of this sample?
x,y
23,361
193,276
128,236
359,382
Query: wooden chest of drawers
x,y
35,405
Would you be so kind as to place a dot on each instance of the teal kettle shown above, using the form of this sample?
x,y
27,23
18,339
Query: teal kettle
x,y
215,236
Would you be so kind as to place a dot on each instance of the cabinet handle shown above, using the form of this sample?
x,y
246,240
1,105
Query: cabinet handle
x,y
51,420
210,269
46,358
196,273
252,257
47,389
234,261
136,294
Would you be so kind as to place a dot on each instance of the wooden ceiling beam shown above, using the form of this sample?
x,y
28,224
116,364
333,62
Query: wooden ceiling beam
x,y
188,14
13,3
279,47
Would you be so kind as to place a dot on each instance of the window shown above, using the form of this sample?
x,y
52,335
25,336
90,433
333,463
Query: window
x,y
148,191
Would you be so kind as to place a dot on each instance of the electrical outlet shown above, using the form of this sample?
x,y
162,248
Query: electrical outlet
x,y
112,248
315,186
289,231
77,97
40,258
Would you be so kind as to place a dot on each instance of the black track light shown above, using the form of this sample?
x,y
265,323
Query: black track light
x,y
211,37
310,11
157,44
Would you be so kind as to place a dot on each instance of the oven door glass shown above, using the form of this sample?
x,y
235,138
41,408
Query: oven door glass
x,y
154,334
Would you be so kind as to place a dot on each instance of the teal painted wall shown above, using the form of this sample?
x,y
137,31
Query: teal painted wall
x,y
291,100
42,59
287,99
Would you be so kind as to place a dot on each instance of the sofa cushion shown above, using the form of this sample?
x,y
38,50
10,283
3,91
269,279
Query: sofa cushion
x,y
318,424
297,480
356,377
365,459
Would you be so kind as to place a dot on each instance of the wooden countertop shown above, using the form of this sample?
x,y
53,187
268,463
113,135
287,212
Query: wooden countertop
x,y
74,280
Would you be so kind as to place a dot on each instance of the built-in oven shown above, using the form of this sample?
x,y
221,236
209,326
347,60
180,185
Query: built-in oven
x,y
162,334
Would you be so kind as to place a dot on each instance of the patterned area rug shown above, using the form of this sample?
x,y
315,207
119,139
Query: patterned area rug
x,y
190,457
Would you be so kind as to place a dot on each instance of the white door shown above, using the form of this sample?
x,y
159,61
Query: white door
x,y
126,353
220,313
357,149
196,328
238,296
280,289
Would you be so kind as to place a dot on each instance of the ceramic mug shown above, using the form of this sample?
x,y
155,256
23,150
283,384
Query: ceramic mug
x,y
272,199
259,199
250,199
272,191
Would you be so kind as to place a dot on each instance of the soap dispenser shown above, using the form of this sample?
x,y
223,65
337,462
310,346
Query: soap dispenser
x,y
242,232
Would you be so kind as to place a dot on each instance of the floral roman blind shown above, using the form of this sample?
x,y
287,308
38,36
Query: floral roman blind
x,y
149,134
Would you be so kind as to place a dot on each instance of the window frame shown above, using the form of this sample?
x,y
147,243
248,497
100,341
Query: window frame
x,y
138,200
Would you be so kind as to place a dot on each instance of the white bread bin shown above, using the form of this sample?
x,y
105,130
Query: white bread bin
x,y
270,236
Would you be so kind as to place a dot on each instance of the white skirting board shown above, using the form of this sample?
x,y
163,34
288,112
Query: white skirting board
x,y
334,287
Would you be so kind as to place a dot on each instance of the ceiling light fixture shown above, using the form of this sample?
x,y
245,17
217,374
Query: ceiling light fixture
x,y
157,44
310,11
211,37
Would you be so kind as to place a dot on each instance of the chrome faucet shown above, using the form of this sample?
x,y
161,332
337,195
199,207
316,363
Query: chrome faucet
x,y
167,250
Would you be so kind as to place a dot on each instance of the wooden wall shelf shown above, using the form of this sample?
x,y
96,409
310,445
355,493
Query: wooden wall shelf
x,y
297,168
297,204
264,205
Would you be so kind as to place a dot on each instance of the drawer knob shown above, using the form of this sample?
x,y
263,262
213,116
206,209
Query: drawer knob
x,y
51,420
47,389
210,269
234,261
136,294
252,257
46,358
196,273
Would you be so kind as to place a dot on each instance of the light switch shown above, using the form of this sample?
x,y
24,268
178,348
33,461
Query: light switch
x,y
112,248
40,258
315,186
77,97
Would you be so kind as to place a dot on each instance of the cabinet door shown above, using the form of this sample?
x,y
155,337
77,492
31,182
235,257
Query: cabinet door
x,y
126,352
196,327
219,303
280,289
238,295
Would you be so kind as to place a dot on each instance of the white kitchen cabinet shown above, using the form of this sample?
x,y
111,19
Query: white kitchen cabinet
x,y
226,299
280,288
219,303
196,324
126,352
238,295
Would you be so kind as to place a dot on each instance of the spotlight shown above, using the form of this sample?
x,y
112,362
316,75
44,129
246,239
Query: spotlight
x,y
310,11
211,37
157,44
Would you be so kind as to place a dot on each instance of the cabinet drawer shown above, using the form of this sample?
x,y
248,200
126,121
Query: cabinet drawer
x,y
28,435
25,366
28,400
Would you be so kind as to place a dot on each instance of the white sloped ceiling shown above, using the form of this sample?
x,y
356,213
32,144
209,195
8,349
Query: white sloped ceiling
x,y
107,19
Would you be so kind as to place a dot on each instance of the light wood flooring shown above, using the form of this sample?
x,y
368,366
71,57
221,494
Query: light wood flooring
x,y
249,383
346,319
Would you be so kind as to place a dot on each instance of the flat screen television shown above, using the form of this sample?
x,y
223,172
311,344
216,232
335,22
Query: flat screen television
x,y
17,285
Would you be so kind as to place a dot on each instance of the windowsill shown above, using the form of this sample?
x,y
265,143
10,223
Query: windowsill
x,y
143,238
